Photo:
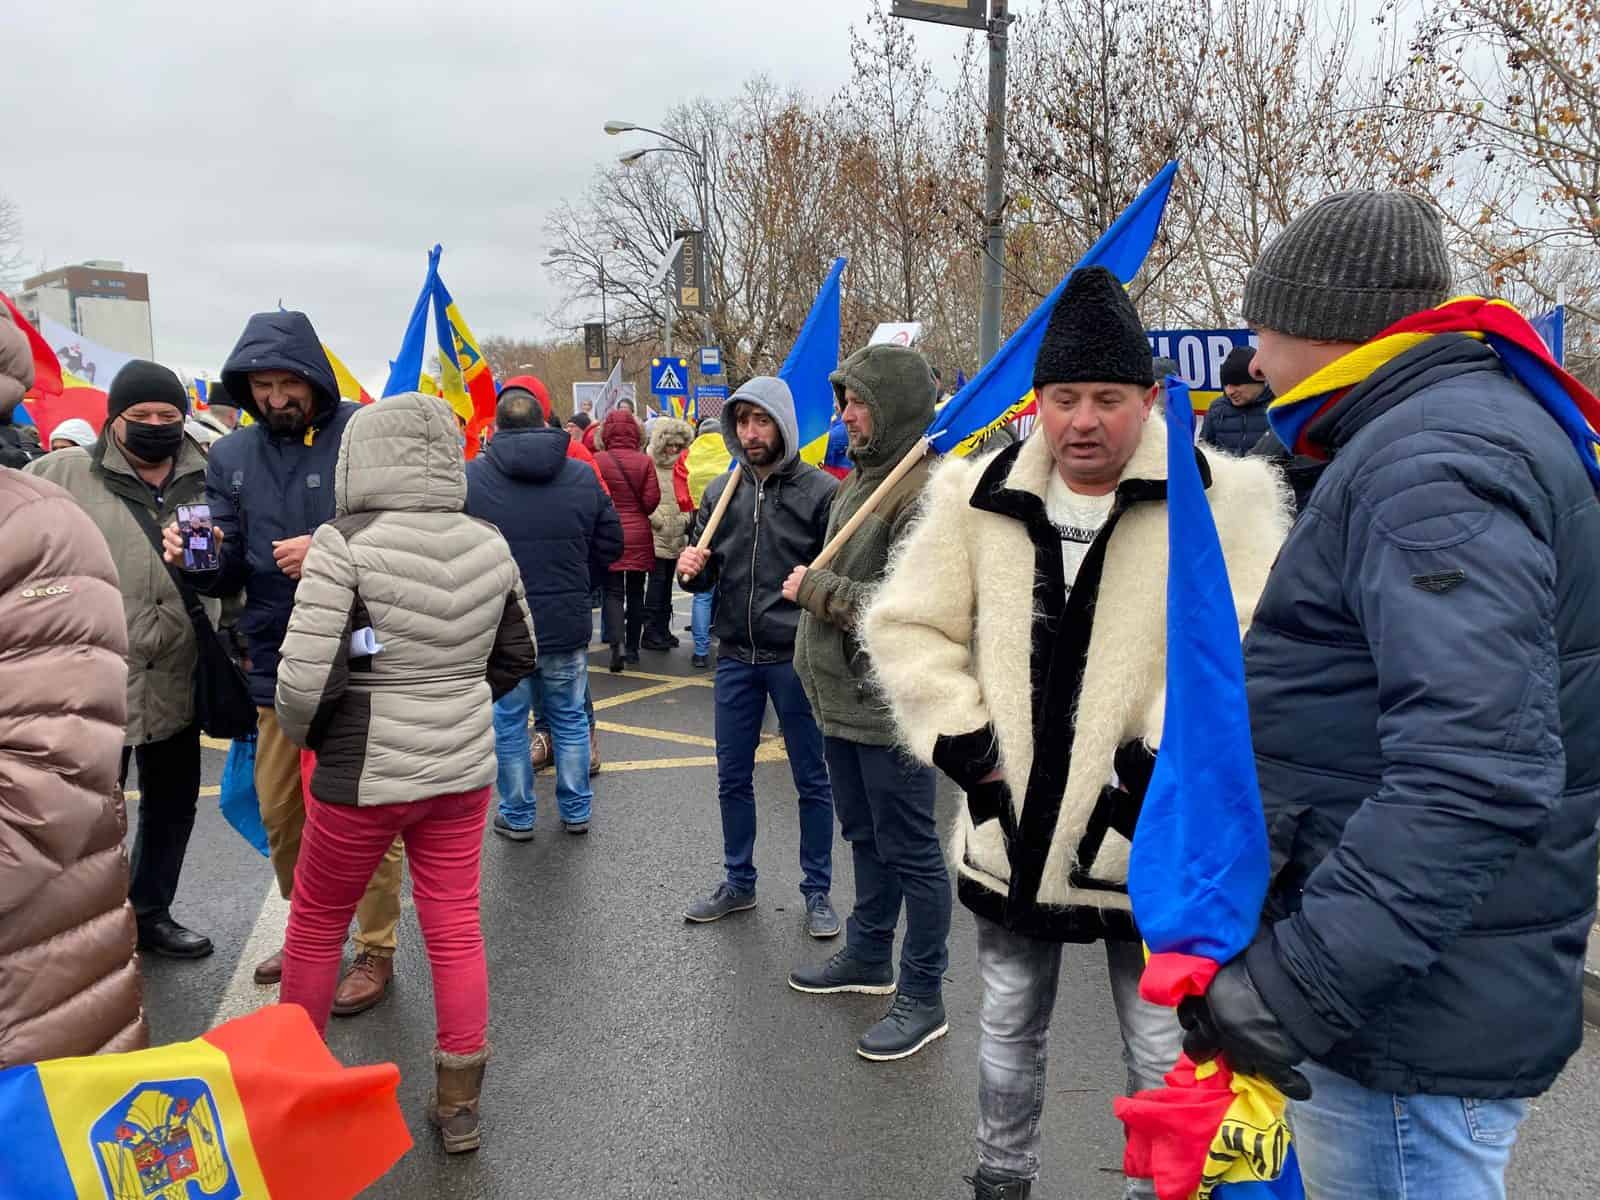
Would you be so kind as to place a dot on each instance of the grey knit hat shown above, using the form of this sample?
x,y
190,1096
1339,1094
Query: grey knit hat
x,y
1349,266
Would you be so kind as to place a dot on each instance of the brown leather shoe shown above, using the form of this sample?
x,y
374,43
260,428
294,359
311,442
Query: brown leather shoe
x,y
453,1107
541,750
270,970
363,985
594,751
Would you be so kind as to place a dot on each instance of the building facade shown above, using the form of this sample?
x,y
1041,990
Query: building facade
x,y
96,299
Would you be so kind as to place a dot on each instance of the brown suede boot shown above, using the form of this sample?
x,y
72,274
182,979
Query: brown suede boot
x,y
363,985
594,751
541,751
453,1107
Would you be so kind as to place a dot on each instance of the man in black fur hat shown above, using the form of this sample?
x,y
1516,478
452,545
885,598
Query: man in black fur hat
x,y
1046,562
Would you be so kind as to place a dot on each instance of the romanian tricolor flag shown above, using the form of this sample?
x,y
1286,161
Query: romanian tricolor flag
x,y
813,357
1197,874
465,381
1003,389
257,1109
349,386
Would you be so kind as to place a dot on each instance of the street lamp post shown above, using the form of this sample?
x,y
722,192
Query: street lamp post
x,y
702,190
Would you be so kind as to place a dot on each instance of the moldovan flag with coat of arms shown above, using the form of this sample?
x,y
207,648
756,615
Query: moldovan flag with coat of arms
x,y
256,1109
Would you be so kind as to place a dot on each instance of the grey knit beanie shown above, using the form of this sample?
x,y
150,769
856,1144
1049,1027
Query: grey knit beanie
x,y
1349,266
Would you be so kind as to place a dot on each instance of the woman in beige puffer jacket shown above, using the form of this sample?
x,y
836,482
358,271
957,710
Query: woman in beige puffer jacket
x,y
69,977
669,437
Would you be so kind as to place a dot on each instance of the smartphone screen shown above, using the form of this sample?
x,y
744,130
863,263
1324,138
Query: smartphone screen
x,y
199,539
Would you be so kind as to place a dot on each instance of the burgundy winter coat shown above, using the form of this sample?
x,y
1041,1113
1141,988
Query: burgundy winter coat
x,y
631,478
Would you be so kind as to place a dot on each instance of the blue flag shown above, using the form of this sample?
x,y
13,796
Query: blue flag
x,y
1197,874
1004,387
405,371
815,356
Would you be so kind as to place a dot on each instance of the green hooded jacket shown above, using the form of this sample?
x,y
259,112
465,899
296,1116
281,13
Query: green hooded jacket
x,y
899,389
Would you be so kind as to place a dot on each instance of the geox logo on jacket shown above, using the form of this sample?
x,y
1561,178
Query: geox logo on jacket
x,y
41,593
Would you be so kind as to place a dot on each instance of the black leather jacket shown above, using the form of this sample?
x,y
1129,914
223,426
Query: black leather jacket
x,y
770,527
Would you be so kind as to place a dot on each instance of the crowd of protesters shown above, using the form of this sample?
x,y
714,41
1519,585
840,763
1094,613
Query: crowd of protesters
x,y
1401,518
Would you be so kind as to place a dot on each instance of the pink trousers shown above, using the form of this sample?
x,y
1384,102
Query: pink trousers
x,y
341,848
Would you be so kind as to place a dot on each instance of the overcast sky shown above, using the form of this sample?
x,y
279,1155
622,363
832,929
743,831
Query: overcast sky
x,y
313,151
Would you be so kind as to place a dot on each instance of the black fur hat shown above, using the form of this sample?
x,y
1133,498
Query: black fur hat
x,y
1094,335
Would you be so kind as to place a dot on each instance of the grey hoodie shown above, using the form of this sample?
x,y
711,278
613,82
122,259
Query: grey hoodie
x,y
773,397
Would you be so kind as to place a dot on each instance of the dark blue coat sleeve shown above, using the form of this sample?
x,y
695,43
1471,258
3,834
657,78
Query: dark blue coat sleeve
x,y
233,569
1450,574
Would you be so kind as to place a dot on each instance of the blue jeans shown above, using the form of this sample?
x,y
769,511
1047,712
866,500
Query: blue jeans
x,y
1020,975
742,690
1355,1142
885,807
700,620
559,686
541,723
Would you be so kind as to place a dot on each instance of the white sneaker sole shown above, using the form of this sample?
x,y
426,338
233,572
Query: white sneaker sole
x,y
932,1036
859,989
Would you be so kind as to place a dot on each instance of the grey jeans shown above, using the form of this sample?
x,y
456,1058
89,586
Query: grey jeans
x,y
1019,991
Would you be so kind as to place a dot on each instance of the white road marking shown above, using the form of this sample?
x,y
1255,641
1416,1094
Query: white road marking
x,y
244,995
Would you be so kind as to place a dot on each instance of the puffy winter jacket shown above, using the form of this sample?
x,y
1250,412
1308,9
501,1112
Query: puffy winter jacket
x,y
561,528
443,598
17,448
1424,678
770,527
669,437
69,978
534,386
1233,427
264,488
635,491
161,645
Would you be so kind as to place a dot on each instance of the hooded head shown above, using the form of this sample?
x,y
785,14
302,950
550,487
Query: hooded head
x,y
669,437
75,430
898,389
772,396
281,342
620,430
534,386
401,453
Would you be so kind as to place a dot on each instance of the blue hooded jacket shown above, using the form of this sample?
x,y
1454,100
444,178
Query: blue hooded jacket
x,y
263,487
560,526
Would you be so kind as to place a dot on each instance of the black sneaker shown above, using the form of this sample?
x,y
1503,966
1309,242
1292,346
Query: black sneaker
x,y
910,1025
844,973
509,831
821,920
724,900
576,827
985,1188
700,662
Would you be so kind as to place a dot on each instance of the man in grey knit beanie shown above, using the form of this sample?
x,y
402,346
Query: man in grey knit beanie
x,y
1422,683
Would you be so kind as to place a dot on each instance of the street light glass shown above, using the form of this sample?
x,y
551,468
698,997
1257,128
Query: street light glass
x,y
615,127
632,157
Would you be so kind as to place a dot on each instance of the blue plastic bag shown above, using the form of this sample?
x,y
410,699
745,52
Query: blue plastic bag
x,y
239,803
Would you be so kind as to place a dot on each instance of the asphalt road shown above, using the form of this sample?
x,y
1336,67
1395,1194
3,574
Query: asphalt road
x,y
637,1056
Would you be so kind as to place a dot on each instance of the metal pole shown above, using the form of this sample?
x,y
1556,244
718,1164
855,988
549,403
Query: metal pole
x,y
667,320
605,341
994,188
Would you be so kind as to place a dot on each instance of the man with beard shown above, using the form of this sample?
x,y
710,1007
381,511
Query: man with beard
x,y
270,485
776,518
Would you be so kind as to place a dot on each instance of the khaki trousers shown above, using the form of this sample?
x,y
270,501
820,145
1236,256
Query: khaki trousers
x,y
283,813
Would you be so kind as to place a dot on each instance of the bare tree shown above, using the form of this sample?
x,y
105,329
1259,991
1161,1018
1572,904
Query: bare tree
x,y
11,269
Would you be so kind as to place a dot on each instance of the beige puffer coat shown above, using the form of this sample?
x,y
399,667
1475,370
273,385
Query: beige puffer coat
x,y
669,437
69,979
441,594
161,646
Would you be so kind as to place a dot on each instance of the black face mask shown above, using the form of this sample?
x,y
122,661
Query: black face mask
x,y
153,443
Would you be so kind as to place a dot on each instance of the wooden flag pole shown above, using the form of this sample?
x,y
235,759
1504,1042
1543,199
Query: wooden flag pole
x,y
903,468
718,513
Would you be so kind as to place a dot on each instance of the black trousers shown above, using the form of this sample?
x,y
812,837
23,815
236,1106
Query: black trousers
x,y
658,601
169,789
624,594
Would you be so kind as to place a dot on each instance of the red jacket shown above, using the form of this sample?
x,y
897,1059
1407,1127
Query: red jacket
x,y
575,449
635,491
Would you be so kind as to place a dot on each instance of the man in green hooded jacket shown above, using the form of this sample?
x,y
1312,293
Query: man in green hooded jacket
x,y
883,798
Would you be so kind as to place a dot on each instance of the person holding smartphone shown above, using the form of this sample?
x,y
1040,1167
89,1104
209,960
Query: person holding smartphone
x,y
143,461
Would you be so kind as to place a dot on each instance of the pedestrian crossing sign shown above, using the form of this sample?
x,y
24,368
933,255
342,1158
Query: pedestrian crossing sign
x,y
669,376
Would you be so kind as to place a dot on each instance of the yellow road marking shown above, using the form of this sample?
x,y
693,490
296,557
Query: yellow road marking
x,y
205,791
665,735
211,743
660,689
768,752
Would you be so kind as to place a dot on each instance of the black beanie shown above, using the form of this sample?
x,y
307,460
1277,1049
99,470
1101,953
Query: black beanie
x,y
1094,335
144,382
1236,367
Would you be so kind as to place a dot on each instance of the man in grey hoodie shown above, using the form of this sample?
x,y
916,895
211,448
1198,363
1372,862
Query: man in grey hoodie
x,y
776,518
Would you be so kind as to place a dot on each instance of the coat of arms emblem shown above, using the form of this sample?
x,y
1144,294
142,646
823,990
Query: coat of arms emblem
x,y
163,1141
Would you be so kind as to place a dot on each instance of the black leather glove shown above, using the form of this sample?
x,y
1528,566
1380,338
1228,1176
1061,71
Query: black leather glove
x,y
1232,1020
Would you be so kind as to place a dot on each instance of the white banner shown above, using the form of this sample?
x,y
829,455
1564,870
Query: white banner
x,y
89,361
896,333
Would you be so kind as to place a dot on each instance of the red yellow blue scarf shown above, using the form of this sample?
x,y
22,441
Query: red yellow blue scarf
x,y
1507,332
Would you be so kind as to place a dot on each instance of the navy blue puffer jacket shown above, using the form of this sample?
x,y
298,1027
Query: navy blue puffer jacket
x,y
1424,679
263,488
561,528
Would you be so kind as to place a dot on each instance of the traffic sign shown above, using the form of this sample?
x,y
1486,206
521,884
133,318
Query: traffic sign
x,y
669,376
710,360
711,391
